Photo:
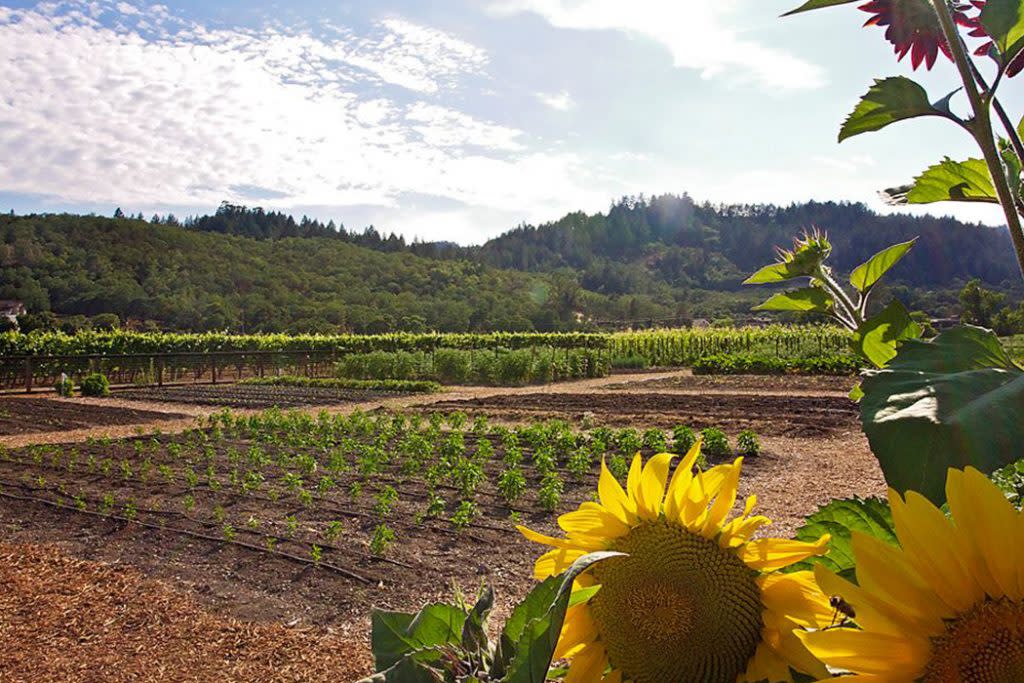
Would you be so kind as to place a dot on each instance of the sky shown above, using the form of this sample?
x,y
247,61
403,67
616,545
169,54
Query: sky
x,y
450,120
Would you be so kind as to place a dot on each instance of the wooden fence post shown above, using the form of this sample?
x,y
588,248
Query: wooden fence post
x,y
28,374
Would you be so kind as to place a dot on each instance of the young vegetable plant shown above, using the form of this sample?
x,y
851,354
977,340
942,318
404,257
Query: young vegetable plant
x,y
382,538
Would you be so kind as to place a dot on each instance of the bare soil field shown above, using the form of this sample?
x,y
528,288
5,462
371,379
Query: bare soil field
x,y
159,544
770,414
35,415
760,384
249,396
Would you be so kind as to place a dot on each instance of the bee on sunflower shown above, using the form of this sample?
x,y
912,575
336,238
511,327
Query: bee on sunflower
x,y
947,605
694,598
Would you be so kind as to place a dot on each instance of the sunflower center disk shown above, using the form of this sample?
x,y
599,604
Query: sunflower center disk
x,y
679,608
985,645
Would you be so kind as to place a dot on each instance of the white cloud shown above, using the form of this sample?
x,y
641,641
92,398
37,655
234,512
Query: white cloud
x,y
561,101
699,35
94,114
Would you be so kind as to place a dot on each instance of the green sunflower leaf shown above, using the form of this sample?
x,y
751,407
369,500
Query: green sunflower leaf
x,y
804,299
839,519
955,401
878,337
947,181
817,4
774,272
396,634
1003,21
531,632
872,270
889,100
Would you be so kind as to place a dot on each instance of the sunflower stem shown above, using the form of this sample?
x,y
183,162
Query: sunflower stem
x,y
1004,118
981,128
853,318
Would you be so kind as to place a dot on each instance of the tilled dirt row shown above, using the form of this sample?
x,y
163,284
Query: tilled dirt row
x,y
35,415
772,415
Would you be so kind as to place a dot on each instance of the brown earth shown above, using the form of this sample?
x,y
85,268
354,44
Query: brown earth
x,y
804,465
23,415
64,619
770,414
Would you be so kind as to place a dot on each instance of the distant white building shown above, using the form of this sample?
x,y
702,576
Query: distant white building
x,y
10,309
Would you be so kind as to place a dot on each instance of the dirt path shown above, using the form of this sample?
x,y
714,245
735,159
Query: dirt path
x,y
177,424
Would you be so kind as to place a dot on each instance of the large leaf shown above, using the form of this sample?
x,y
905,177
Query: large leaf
x,y
804,299
871,271
779,272
952,402
395,634
948,181
889,100
535,627
407,670
817,4
1003,21
878,337
839,519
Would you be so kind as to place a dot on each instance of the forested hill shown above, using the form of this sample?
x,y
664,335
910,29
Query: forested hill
x,y
640,243
245,269
690,244
171,277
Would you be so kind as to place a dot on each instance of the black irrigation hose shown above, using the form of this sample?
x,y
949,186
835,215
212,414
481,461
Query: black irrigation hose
x,y
276,553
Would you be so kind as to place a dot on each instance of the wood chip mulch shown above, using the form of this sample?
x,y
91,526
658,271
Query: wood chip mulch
x,y
68,620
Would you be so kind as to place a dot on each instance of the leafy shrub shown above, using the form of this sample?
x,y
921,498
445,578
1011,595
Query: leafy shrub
x,y
715,443
464,514
382,537
494,366
654,440
550,492
683,438
64,386
511,483
451,366
747,443
632,362
95,384
396,385
762,364
629,441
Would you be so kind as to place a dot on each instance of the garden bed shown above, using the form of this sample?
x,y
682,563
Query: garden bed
x,y
253,396
777,415
36,415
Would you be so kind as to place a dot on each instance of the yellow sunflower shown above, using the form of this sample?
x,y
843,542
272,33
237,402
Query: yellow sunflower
x,y
694,599
945,606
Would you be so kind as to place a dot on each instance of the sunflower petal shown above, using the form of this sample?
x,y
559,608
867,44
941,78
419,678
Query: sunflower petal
x,y
987,521
798,597
898,657
555,562
578,630
613,498
769,554
681,480
652,485
724,501
588,665
592,519
935,550
633,478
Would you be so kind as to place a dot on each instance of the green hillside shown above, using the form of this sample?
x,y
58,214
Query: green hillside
x,y
664,258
